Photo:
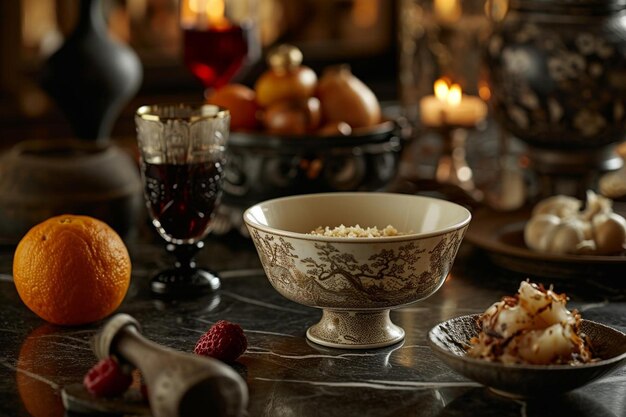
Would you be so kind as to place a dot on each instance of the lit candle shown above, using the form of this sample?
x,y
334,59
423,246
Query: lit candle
x,y
450,107
203,13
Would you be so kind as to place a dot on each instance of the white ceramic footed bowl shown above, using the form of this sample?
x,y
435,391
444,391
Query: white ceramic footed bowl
x,y
356,281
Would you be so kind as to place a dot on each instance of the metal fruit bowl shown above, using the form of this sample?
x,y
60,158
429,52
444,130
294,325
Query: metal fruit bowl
x,y
262,166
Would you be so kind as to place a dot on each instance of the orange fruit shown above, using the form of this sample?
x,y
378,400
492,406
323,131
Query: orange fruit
x,y
240,102
71,270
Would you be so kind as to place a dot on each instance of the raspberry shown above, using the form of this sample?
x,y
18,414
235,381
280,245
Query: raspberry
x,y
224,341
107,379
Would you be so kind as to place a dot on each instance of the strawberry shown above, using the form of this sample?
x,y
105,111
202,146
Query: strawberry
x,y
224,341
107,379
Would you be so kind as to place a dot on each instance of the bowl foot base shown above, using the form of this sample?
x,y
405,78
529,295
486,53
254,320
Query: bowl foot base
x,y
355,330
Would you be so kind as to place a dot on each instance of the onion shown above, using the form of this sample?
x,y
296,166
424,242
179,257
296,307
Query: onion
x,y
287,79
293,118
345,98
284,119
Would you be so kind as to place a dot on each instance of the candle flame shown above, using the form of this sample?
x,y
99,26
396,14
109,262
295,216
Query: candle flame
x,y
212,11
441,89
215,10
454,95
195,6
450,94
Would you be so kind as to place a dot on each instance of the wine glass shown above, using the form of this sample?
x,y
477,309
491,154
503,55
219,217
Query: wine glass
x,y
219,39
182,149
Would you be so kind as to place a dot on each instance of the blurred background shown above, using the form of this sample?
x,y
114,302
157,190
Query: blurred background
x,y
363,33
495,104
399,48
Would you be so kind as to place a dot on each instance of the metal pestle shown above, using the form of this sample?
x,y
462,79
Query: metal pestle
x,y
179,384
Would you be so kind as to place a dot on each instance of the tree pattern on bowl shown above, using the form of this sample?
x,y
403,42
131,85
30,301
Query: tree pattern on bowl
x,y
340,278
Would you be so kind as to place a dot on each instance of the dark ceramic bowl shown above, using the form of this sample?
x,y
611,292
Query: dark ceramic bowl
x,y
263,166
449,339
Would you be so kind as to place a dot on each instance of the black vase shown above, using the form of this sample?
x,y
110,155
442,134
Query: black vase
x,y
91,77
557,71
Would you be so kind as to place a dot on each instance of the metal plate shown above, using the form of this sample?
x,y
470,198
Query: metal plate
x,y
501,235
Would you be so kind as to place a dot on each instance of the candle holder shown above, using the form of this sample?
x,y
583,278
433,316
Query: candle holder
x,y
451,177
452,168
449,113
439,37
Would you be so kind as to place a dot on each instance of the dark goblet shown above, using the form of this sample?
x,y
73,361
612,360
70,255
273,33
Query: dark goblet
x,y
182,152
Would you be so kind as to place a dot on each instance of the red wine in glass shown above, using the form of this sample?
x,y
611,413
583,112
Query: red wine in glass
x,y
215,54
182,198
182,150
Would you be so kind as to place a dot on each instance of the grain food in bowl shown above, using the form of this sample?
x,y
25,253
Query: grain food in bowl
x,y
355,231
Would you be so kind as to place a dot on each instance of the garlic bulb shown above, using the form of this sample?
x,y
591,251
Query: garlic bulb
x,y
559,205
609,232
596,204
558,225
538,229
566,237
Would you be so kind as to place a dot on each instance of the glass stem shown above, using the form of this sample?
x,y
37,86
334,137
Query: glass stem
x,y
185,254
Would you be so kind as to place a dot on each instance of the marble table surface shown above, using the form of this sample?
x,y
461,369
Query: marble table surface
x,y
286,375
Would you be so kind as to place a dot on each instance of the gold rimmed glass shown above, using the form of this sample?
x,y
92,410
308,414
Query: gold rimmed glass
x,y
182,149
